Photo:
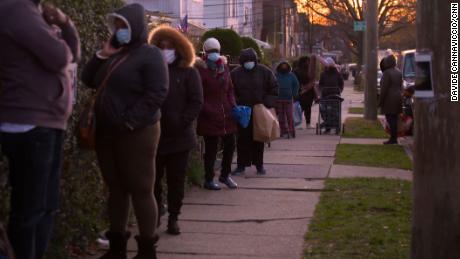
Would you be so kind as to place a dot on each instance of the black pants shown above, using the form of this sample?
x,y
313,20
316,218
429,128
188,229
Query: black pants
x,y
392,120
306,101
250,152
35,161
211,148
175,167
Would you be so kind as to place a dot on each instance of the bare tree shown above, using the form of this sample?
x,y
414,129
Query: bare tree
x,y
394,15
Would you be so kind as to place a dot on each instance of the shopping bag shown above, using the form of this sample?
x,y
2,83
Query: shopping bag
x,y
265,124
297,110
404,125
242,115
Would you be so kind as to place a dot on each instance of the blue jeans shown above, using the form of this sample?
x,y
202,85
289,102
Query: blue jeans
x,y
34,160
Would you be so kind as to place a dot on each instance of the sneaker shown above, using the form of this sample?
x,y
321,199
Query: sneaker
x,y
261,170
229,182
211,185
239,171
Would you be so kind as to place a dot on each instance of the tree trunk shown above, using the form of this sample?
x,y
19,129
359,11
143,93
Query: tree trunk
x,y
436,208
370,94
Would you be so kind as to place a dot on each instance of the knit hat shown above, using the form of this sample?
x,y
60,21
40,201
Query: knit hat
x,y
330,62
211,44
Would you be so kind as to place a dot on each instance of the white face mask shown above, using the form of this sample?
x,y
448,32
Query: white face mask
x,y
169,55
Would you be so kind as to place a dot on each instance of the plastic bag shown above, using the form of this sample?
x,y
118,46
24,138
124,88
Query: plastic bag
x,y
297,110
242,115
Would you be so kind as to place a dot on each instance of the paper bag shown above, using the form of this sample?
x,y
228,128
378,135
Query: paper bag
x,y
266,125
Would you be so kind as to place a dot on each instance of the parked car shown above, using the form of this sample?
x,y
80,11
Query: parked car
x,y
379,78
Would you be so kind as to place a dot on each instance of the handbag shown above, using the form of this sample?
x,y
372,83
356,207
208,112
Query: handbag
x,y
87,122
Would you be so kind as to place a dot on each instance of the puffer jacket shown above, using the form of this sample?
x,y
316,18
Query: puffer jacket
x,y
216,118
185,97
256,86
136,89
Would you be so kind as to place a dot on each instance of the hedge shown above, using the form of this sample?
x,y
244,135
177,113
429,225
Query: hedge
x,y
230,41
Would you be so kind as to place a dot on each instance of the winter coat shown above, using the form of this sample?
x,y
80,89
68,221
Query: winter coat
x,y
256,86
36,85
216,118
391,88
185,97
136,89
331,78
288,83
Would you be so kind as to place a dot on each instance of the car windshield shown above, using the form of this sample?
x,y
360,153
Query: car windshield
x,y
409,66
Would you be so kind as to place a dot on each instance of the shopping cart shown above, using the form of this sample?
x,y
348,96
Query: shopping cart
x,y
330,111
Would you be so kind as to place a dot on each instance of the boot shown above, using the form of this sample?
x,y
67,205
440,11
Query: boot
x,y
118,242
146,247
173,227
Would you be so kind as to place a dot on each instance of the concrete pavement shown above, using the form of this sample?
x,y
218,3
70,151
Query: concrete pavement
x,y
268,216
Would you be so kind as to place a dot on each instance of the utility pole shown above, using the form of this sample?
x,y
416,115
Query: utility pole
x,y
436,198
371,34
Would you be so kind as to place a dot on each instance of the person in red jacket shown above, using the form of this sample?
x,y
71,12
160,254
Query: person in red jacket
x,y
215,121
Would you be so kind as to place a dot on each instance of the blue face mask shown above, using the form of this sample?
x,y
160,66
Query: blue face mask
x,y
123,36
249,65
213,56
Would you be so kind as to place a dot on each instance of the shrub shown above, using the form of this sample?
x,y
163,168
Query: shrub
x,y
230,41
249,42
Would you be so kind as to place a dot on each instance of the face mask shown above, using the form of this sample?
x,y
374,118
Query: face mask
x,y
123,36
249,65
213,56
169,55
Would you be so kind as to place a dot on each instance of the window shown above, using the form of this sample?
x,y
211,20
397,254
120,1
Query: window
x,y
233,5
246,15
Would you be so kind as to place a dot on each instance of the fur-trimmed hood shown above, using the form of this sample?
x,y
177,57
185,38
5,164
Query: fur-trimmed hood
x,y
200,63
184,48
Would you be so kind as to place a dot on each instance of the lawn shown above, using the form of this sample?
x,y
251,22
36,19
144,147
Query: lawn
x,y
389,156
356,110
361,128
361,218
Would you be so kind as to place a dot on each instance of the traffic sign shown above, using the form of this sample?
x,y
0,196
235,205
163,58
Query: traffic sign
x,y
360,25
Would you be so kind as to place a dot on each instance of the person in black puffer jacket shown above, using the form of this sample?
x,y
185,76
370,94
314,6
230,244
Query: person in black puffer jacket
x,y
128,127
179,111
254,84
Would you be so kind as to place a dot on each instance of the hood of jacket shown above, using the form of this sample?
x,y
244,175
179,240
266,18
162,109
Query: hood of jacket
x,y
278,66
184,48
388,62
134,16
248,55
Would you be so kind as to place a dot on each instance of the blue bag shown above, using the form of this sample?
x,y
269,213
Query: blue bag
x,y
242,115
297,110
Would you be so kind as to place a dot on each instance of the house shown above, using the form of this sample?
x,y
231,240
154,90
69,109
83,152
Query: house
x,y
230,14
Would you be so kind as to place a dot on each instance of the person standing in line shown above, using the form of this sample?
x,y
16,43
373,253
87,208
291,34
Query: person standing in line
x,y
305,72
180,109
35,105
330,84
215,121
128,126
390,101
254,84
288,91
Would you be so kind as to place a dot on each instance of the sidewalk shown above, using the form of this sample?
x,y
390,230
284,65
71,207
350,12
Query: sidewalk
x,y
268,216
